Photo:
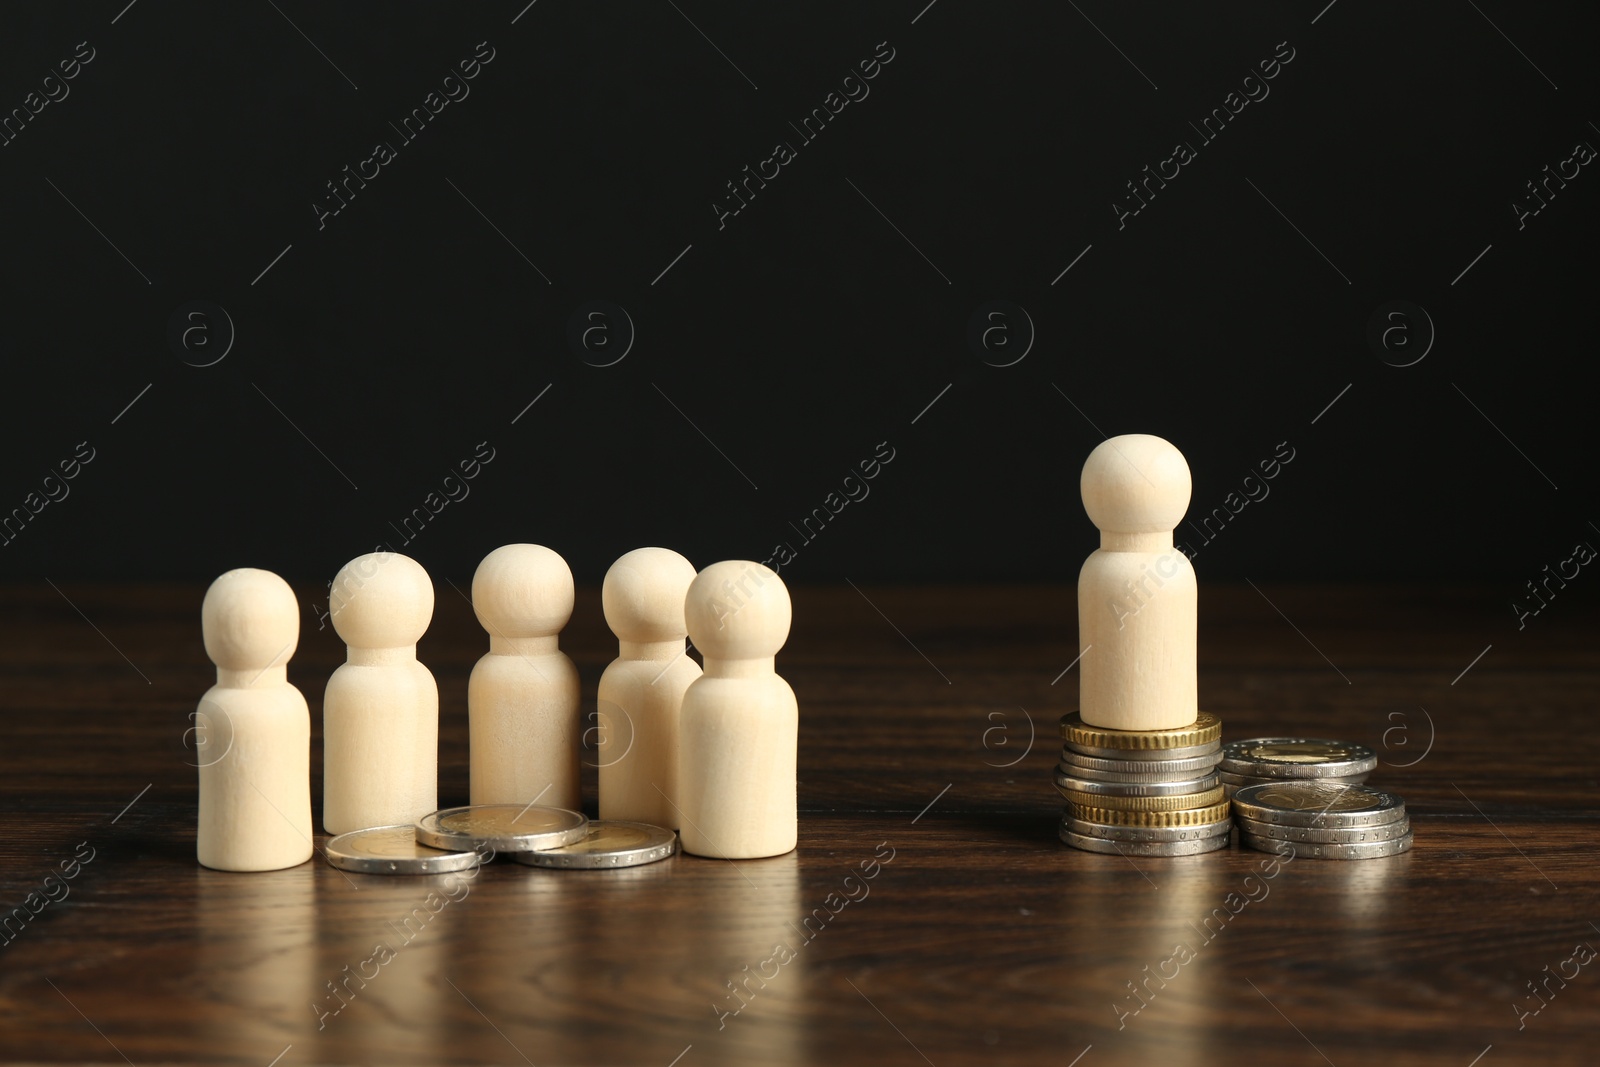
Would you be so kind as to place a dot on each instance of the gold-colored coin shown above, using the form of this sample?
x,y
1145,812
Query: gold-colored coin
x,y
1204,730
1187,801
1212,813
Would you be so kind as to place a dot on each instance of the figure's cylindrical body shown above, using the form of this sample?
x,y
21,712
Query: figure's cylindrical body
x,y
640,711
254,753
380,741
525,725
739,733
1137,618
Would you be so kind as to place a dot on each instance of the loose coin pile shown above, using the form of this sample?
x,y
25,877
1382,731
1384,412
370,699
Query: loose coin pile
x,y
1143,792
1275,759
1322,819
456,839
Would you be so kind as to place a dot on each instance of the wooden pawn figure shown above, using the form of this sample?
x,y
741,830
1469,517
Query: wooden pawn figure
x,y
1137,597
380,715
739,728
522,697
641,692
252,729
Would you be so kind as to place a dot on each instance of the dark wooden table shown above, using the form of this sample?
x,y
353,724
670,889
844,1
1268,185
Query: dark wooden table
x,y
926,744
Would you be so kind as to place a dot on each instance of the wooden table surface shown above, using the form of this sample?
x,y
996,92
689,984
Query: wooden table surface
x,y
928,735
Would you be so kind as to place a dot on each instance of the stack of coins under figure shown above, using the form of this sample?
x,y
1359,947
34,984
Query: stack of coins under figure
x,y
1143,792
1277,759
1325,820
460,838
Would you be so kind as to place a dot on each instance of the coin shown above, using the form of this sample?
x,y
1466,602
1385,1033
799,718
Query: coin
x,y
1353,835
1091,775
1071,783
1185,801
1147,834
1146,848
608,843
393,850
1166,770
1197,816
1186,752
1324,805
503,827
1297,757
1366,850
1240,780
1205,729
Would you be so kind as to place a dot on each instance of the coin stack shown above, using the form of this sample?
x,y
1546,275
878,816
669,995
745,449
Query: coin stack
x,y
1276,759
1143,792
1322,819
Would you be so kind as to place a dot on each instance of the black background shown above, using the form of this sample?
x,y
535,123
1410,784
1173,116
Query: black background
x,y
378,351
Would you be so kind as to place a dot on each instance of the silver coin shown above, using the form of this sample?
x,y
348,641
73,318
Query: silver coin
x,y
1146,848
1230,778
393,850
1126,769
1325,805
1107,832
502,827
1352,835
1297,757
1073,770
1071,783
1153,755
1367,850
608,843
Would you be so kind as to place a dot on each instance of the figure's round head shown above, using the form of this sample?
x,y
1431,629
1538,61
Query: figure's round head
x,y
643,595
738,610
522,591
1136,483
250,620
381,600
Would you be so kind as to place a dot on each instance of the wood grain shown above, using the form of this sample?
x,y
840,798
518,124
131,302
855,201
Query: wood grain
x,y
982,940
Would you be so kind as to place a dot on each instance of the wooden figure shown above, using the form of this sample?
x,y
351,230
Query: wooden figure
x,y
522,698
380,715
641,692
739,727
1136,593
252,729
